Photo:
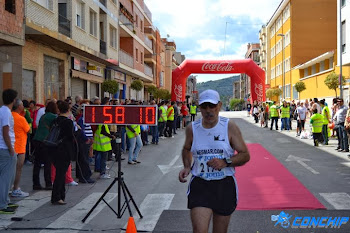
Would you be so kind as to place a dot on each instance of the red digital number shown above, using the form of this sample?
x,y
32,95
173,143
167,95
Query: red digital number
x,y
105,114
93,114
140,115
119,115
152,121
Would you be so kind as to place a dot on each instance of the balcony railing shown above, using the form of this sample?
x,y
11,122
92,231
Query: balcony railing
x,y
126,58
103,47
147,11
148,71
64,26
126,22
148,42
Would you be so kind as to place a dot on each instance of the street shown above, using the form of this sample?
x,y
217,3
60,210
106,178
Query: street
x,y
161,198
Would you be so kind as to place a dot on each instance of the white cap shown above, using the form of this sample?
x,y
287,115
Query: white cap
x,y
209,96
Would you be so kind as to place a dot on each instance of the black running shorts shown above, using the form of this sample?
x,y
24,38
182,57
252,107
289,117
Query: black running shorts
x,y
218,195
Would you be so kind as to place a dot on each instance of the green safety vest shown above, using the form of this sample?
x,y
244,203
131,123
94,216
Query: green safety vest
x,y
101,142
273,111
193,109
130,134
317,123
171,112
163,114
324,110
285,112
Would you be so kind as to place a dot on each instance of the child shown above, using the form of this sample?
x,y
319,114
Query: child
x,y
262,118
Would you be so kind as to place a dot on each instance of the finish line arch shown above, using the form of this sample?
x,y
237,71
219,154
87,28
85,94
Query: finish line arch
x,y
247,66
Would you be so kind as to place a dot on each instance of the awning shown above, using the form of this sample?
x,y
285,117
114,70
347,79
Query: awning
x,y
86,76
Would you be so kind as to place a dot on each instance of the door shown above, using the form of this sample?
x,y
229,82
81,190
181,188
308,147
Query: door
x,y
78,87
51,78
28,85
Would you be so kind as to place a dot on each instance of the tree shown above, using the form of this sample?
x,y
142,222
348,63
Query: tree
x,y
299,87
136,85
162,94
234,103
152,89
332,82
110,86
273,92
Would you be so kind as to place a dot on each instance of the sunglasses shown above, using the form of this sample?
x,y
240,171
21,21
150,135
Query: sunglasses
x,y
206,105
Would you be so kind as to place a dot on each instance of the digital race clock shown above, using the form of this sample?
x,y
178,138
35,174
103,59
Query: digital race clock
x,y
121,114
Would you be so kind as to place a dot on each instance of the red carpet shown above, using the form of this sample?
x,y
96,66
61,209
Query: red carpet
x,y
265,184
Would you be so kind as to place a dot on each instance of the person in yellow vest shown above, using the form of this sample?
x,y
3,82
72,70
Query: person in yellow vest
x,y
162,119
316,121
193,111
133,133
101,146
285,115
170,119
274,114
326,116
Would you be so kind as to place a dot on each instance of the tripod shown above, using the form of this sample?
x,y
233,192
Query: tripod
x,y
121,187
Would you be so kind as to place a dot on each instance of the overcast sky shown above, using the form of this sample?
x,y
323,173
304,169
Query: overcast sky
x,y
198,26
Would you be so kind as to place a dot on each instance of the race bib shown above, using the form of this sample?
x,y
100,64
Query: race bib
x,y
206,172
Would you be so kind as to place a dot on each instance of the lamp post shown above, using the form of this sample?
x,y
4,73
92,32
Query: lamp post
x,y
340,51
283,77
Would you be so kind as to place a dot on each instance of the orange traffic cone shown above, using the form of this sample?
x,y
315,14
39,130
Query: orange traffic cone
x,y
131,228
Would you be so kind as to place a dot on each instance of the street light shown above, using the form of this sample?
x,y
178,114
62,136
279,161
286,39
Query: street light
x,y
283,77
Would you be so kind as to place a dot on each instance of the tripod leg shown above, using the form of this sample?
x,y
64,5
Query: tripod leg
x,y
132,199
126,198
99,200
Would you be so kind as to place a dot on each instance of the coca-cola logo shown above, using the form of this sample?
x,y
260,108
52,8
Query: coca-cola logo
x,y
259,92
219,67
178,92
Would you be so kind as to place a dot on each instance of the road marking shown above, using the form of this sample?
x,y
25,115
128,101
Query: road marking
x,y
26,206
340,201
72,218
346,164
302,161
151,208
167,168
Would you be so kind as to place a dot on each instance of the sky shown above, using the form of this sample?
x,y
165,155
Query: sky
x,y
198,26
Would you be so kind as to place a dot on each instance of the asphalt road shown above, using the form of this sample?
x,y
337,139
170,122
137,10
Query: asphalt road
x,y
162,200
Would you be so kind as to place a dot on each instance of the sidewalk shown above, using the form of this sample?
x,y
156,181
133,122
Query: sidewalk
x,y
333,142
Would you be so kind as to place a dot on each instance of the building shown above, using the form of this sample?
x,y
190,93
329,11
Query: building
x,y
191,89
343,25
244,83
170,62
11,42
263,55
294,37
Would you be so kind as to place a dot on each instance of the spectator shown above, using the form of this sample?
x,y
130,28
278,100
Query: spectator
x,y
75,107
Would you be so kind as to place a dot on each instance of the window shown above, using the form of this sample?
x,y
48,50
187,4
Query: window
x,y
287,64
286,13
321,66
273,73
93,23
141,25
113,36
137,21
141,57
137,55
331,63
288,91
313,69
80,16
295,93
343,36
272,30
10,6
46,3
343,2
161,79
287,39
306,72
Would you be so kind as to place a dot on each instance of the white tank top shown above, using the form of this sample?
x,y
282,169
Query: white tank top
x,y
208,144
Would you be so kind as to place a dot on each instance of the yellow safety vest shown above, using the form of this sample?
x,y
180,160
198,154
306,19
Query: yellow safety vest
x,y
285,112
317,122
163,114
324,110
172,113
273,111
101,142
130,134
193,109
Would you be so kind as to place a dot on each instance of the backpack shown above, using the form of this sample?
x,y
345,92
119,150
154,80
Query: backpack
x,y
53,140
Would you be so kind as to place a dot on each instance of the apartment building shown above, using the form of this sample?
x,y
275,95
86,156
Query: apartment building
x,y
263,55
295,36
11,42
170,62
343,25
243,85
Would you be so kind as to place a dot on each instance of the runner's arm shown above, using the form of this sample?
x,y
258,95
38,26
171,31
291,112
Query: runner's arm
x,y
237,142
186,155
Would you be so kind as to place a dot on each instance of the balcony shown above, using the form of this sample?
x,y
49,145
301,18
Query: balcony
x,y
147,12
103,47
126,22
148,42
103,2
148,71
126,58
151,31
64,26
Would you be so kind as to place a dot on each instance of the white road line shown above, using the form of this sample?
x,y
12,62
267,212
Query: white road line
x,y
26,206
72,218
340,201
151,208
167,168
346,164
